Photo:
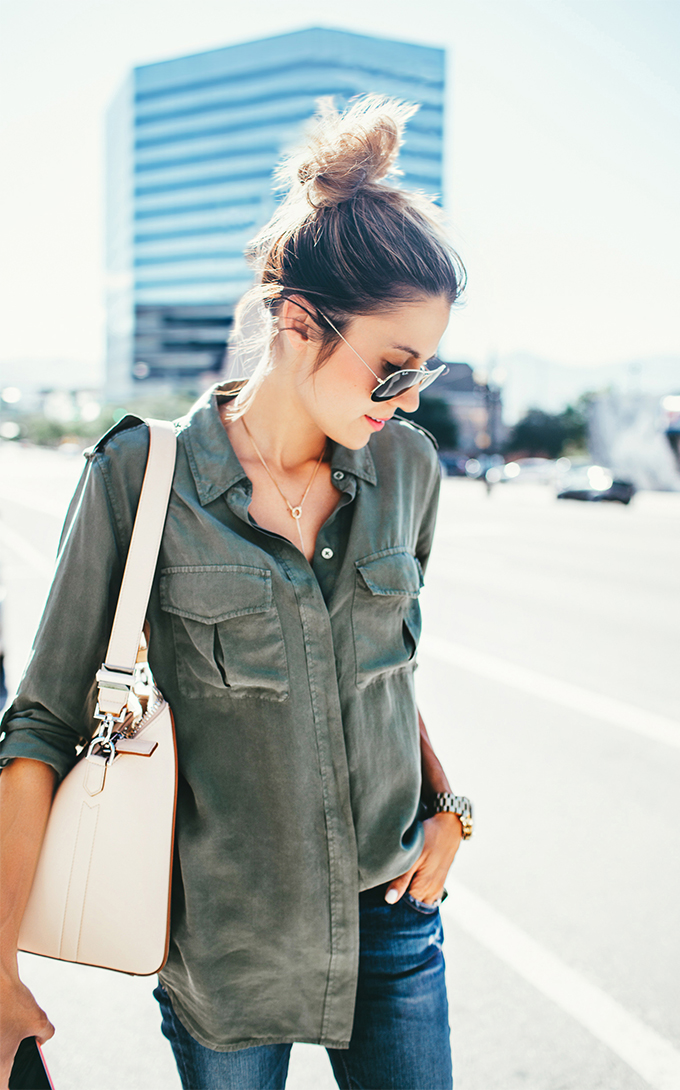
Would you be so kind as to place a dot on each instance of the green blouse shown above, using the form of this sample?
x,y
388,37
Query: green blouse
x,y
292,691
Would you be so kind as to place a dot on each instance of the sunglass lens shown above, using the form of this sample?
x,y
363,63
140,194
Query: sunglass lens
x,y
403,380
397,384
393,386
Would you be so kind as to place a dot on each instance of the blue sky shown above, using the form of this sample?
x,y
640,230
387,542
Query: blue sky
x,y
563,168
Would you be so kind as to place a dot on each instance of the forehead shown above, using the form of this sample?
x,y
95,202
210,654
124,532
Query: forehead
x,y
414,328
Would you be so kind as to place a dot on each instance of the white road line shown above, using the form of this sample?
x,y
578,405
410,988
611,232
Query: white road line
x,y
595,705
646,1051
23,549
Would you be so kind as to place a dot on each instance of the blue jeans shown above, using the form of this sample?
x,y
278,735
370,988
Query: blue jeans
x,y
400,1037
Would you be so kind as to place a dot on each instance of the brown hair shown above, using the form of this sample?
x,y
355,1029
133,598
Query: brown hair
x,y
345,238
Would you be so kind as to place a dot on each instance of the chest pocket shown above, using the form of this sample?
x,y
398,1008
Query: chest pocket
x,y
227,631
386,618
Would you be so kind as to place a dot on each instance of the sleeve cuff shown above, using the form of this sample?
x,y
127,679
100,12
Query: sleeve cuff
x,y
28,743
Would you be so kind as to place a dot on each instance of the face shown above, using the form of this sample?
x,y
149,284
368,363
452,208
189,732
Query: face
x,y
338,396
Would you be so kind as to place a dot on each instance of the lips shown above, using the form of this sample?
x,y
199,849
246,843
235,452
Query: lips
x,y
377,422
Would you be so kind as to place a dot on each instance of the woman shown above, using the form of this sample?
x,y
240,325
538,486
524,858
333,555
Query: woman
x,y
311,850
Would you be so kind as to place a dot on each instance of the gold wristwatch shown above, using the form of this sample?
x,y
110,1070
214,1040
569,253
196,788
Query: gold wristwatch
x,y
446,803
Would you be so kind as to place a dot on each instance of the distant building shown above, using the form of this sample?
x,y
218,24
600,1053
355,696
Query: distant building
x,y
192,143
475,406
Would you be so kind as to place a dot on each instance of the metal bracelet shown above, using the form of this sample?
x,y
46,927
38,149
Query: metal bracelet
x,y
446,803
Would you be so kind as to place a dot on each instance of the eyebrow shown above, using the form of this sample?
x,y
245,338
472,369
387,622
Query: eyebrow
x,y
405,348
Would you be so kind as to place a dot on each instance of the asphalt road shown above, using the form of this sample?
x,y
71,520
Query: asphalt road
x,y
549,680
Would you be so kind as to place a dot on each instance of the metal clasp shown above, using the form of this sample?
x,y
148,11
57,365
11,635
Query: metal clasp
x,y
107,736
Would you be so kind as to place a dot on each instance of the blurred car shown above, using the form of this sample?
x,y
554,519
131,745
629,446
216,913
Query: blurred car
x,y
452,464
478,467
595,484
524,471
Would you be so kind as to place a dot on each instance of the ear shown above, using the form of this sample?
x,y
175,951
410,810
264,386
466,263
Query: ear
x,y
295,321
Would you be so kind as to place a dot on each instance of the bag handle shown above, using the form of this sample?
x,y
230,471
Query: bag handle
x,y
116,675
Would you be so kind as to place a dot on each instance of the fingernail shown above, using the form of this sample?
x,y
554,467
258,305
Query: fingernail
x,y
392,896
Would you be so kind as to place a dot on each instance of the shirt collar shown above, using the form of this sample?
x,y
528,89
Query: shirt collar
x,y
358,463
214,465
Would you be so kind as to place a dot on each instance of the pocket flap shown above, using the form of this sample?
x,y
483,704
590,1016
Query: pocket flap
x,y
215,593
395,572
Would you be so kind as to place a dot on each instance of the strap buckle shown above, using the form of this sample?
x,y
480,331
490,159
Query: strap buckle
x,y
114,686
110,677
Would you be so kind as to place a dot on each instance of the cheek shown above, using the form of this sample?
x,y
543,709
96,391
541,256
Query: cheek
x,y
340,394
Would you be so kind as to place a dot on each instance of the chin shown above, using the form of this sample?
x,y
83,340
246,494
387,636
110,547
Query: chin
x,y
351,442
356,444
351,437
357,437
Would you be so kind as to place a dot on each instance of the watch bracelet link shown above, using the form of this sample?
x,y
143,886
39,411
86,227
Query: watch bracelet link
x,y
446,803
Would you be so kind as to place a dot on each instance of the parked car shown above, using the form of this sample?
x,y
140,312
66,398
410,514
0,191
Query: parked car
x,y
596,484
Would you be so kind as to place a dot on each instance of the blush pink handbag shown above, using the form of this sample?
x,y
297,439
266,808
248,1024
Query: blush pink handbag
x,y
101,892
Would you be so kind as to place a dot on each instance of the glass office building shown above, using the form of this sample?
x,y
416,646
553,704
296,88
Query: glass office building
x,y
192,143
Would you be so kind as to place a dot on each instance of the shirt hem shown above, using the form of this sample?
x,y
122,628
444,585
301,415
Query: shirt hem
x,y
248,1042
253,1042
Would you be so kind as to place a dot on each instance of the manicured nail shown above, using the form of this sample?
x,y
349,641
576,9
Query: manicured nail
x,y
392,896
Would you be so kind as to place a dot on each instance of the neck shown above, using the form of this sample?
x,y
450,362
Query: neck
x,y
285,434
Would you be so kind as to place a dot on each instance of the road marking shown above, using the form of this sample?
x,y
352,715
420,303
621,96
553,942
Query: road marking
x,y
594,705
642,1048
23,549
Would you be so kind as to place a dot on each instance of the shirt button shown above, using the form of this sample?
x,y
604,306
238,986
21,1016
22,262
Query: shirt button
x,y
327,553
338,475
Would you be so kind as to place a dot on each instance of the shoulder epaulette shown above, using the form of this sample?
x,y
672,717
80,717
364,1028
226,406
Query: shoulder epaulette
x,y
418,427
127,422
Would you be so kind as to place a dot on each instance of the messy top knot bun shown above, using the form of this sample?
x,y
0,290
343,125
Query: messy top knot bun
x,y
348,152
346,238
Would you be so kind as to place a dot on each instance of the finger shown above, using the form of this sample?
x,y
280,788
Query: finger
x,y
8,1061
398,886
5,1069
428,893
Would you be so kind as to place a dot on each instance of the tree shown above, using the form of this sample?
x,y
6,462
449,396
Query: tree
x,y
575,424
36,428
434,414
547,434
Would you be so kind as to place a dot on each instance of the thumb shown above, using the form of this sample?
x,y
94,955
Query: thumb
x,y
46,1032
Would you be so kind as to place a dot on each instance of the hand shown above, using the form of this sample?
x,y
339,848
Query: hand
x,y
425,880
21,1017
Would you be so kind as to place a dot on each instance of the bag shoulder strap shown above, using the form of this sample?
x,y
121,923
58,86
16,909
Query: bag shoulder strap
x,y
116,675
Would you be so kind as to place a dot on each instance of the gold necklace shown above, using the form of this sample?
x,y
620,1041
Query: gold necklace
x,y
296,511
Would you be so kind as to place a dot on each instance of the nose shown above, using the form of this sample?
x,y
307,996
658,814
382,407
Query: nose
x,y
409,400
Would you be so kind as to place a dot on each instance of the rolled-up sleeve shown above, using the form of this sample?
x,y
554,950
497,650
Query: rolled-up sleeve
x,y
53,709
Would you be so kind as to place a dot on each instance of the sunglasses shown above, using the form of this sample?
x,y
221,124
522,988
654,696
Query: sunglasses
x,y
400,381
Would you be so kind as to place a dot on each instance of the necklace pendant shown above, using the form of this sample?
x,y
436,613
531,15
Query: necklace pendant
x,y
296,512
